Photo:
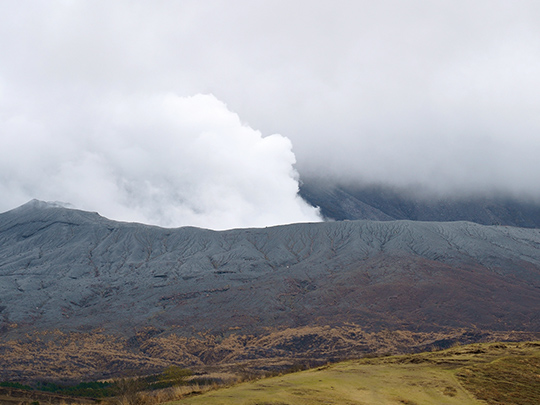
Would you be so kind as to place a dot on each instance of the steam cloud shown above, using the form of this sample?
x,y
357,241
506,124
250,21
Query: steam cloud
x,y
438,95
163,159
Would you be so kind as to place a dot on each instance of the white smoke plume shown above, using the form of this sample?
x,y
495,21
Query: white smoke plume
x,y
160,159
442,95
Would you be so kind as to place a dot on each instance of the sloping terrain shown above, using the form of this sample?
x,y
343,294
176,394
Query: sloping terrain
x,y
88,277
446,377
382,203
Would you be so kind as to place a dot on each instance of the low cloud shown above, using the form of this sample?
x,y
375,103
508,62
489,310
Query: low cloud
x,y
436,95
160,159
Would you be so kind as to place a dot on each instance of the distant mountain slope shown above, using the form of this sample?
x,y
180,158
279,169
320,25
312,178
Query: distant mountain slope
x,y
74,270
81,295
342,202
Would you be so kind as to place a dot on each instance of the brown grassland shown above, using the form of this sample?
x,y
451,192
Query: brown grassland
x,y
73,357
497,373
492,373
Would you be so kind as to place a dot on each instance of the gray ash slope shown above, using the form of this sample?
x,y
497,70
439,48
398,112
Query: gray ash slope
x,y
383,203
77,271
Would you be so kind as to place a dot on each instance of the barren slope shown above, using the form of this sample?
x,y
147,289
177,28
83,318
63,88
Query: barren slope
x,y
76,271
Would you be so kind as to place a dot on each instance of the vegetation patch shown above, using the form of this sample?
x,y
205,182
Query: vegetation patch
x,y
16,385
509,380
86,389
129,390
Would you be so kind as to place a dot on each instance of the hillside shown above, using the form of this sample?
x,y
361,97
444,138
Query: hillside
x,y
383,203
469,375
152,296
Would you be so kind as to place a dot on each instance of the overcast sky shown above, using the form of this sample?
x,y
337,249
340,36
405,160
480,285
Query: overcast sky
x,y
195,112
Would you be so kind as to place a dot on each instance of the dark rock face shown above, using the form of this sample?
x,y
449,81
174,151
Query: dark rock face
x,y
341,202
76,271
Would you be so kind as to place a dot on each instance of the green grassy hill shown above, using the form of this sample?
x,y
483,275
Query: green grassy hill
x,y
497,373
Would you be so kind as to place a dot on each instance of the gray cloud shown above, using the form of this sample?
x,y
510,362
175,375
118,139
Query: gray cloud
x,y
442,94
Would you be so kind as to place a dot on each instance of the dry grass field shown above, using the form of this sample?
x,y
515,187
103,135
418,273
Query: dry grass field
x,y
481,373
497,373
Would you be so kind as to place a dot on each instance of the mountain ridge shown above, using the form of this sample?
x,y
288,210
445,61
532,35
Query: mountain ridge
x,y
85,247
82,274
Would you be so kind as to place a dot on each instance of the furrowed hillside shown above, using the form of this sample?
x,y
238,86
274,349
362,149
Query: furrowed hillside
x,y
73,277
